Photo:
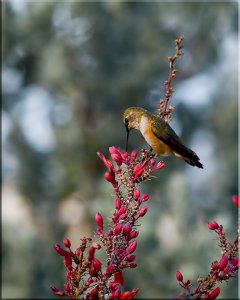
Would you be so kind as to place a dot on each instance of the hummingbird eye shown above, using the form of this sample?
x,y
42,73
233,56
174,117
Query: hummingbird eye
x,y
126,121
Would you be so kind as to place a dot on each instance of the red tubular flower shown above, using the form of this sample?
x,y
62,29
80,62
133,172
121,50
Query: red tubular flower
x,y
116,155
56,291
236,200
99,221
134,154
136,194
118,203
223,263
97,264
110,177
139,169
68,262
125,157
127,229
179,276
118,277
132,247
61,251
67,243
118,229
122,210
129,295
160,165
214,293
108,164
213,225
145,197
143,211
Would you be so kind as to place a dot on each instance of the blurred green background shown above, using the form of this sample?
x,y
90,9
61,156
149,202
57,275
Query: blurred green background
x,y
69,70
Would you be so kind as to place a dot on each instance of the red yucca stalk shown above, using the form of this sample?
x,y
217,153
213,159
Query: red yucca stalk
x,y
86,276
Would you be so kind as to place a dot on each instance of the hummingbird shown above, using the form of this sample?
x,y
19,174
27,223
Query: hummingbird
x,y
158,134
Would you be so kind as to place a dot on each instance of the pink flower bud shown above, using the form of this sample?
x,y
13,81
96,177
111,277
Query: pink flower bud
x,y
136,194
118,203
132,247
152,162
145,197
127,229
66,243
67,287
118,229
236,200
143,211
179,276
223,263
97,264
125,158
61,251
132,266
139,169
93,293
122,216
116,155
214,293
160,165
213,225
78,252
91,253
99,220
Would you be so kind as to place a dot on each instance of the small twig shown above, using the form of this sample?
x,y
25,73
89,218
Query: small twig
x,y
164,111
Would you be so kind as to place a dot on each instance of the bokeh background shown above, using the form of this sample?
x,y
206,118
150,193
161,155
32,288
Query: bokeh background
x,y
69,70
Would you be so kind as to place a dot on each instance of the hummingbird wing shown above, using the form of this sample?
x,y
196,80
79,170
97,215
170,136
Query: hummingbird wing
x,y
167,135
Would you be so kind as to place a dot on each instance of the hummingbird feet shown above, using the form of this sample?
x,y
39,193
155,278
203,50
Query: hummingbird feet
x,y
147,154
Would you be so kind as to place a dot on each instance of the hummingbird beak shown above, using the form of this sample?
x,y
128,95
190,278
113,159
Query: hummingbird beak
x,y
127,139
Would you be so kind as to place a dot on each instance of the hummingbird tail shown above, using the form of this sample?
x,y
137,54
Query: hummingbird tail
x,y
189,157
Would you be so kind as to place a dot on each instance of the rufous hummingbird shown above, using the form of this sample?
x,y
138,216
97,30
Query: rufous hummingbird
x,y
158,134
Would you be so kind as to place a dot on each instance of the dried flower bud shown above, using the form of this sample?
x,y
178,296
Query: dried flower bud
x,y
179,276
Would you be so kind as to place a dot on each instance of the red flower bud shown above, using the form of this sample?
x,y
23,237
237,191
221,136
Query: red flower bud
x,y
236,200
97,264
136,194
127,229
123,209
133,234
56,291
67,243
116,155
160,165
67,287
132,266
61,251
130,258
109,268
128,295
214,293
132,247
118,203
139,169
99,220
179,276
118,277
213,225
134,154
106,161
223,263
68,262
118,229
110,177
125,157
145,197
143,211
96,245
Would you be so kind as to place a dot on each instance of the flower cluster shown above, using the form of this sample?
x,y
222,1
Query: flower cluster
x,y
221,270
86,275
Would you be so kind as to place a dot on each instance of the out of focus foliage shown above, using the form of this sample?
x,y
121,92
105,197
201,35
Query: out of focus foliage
x,y
69,70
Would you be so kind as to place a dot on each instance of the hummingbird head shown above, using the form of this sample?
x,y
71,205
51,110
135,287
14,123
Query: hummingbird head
x,y
131,118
